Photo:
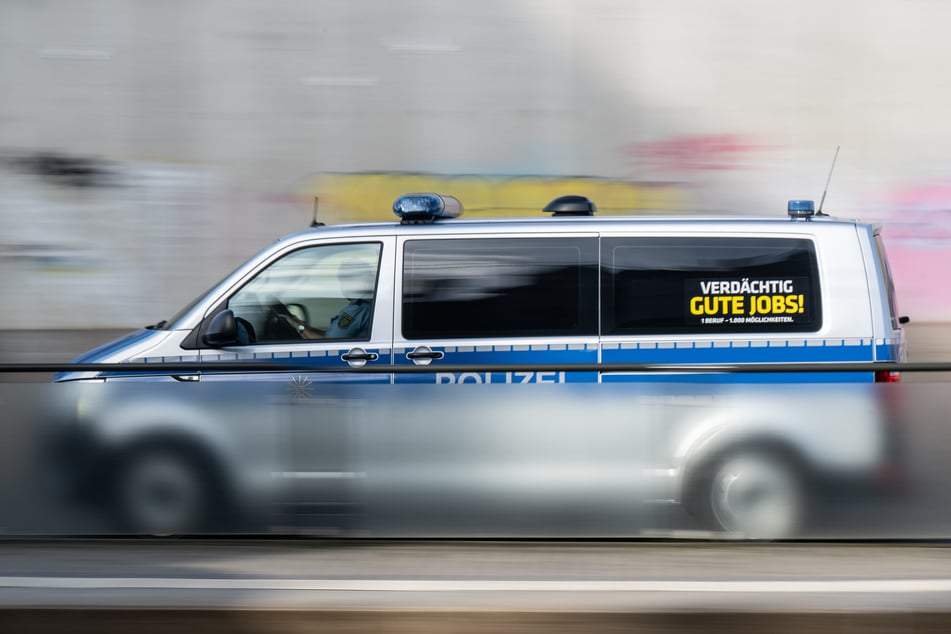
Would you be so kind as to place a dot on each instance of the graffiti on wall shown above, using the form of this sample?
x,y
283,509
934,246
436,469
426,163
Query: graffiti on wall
x,y
65,170
919,213
370,195
916,226
93,243
691,153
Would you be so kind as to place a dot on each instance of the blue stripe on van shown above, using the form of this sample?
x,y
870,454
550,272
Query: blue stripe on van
x,y
818,351
665,352
326,359
770,377
887,351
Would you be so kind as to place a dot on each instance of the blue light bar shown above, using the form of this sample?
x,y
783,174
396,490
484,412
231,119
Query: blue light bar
x,y
426,207
801,208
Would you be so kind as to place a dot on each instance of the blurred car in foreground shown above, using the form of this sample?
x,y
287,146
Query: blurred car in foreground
x,y
569,300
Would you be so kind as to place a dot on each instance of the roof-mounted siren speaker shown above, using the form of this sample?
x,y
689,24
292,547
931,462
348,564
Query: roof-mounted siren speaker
x,y
801,209
571,206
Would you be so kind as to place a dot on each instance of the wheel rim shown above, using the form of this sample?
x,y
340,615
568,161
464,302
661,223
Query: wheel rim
x,y
161,495
757,497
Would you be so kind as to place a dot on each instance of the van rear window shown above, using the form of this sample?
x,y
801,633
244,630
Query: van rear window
x,y
500,287
695,285
888,280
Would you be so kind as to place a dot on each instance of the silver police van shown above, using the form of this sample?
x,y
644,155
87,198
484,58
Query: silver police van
x,y
433,290
436,291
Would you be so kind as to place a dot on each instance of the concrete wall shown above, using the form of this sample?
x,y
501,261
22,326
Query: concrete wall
x,y
147,148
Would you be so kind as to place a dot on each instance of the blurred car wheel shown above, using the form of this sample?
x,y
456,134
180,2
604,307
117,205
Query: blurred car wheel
x,y
163,491
752,495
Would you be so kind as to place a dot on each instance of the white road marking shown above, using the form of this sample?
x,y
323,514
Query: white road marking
x,y
318,475
340,81
455,585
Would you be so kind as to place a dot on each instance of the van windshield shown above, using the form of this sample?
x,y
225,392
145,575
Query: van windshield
x,y
170,323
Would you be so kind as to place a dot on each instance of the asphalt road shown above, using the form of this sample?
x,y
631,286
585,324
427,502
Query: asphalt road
x,y
549,576
461,587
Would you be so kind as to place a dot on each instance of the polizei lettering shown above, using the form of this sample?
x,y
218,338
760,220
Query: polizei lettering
x,y
450,378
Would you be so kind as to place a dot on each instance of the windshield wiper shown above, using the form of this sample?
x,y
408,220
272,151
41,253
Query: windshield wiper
x,y
157,326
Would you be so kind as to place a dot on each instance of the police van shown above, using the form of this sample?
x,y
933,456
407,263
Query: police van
x,y
570,298
434,290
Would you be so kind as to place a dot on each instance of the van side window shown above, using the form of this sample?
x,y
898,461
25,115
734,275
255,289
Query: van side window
x,y
321,292
697,285
499,287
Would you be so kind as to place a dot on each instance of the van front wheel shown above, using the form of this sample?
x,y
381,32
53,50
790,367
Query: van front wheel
x,y
162,490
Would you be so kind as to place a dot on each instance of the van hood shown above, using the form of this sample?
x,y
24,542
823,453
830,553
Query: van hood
x,y
101,353
122,349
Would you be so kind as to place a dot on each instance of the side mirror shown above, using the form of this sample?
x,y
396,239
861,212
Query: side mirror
x,y
222,331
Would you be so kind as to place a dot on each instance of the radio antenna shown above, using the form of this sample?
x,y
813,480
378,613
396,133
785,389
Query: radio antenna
x,y
314,222
828,180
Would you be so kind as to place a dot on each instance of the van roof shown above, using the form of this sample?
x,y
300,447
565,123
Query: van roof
x,y
574,223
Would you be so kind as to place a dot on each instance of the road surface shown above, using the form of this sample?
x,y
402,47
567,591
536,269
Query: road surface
x,y
471,586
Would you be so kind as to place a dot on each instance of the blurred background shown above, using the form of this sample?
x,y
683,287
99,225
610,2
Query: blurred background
x,y
148,148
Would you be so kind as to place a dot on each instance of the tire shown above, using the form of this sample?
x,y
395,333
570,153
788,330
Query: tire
x,y
163,491
751,495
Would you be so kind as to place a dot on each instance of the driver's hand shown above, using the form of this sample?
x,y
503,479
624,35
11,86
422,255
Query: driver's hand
x,y
293,322
303,330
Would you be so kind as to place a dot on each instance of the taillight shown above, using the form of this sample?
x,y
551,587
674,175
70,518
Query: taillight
x,y
887,376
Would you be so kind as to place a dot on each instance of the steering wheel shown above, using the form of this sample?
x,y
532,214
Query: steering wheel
x,y
276,327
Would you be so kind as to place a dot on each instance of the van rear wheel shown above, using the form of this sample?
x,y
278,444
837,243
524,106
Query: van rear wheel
x,y
752,495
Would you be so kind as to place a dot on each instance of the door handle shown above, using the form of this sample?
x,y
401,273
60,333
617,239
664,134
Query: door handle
x,y
358,357
432,354
424,356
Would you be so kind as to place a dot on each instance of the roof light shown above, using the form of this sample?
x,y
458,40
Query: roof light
x,y
571,205
418,208
801,209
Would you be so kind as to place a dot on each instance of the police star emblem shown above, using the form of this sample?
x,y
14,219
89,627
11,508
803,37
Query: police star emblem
x,y
300,387
345,320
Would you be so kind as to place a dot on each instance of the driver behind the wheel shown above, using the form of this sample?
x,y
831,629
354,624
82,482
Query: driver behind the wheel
x,y
353,321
